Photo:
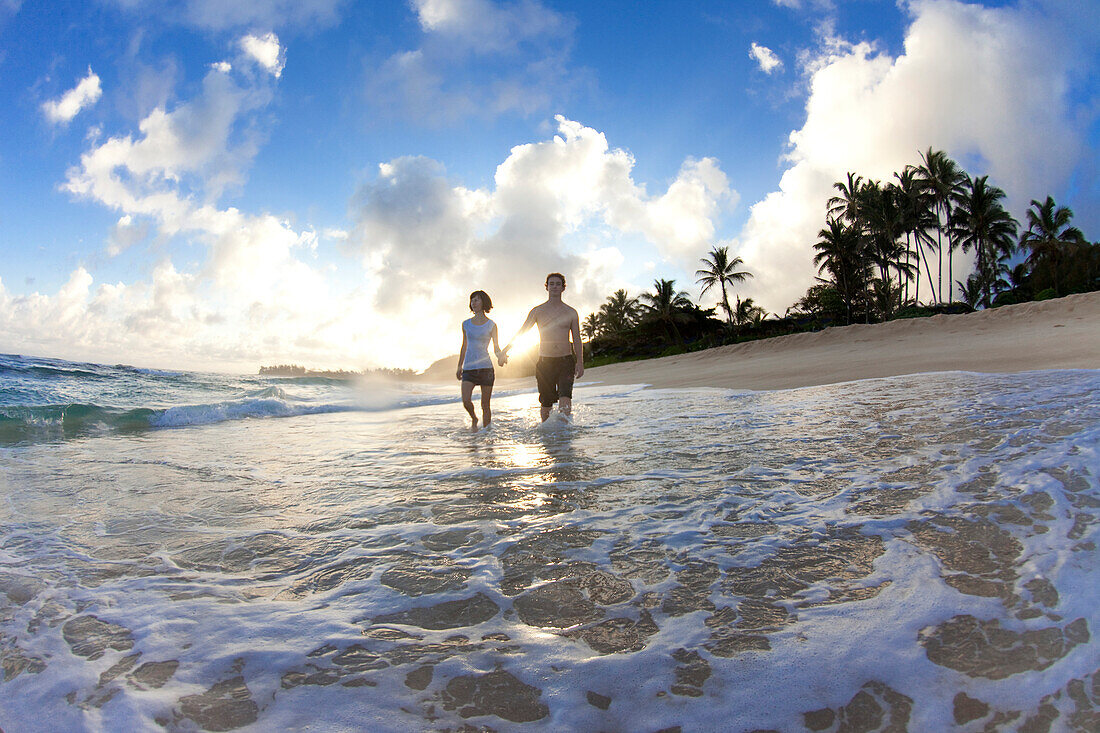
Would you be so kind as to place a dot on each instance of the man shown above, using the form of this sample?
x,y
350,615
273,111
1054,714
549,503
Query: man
x,y
560,361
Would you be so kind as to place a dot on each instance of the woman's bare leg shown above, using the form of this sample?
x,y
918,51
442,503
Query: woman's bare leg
x,y
486,413
468,402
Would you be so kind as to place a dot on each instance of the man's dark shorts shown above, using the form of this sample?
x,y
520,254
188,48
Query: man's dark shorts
x,y
480,377
554,375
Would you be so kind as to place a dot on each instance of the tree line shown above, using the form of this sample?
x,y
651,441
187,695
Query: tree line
x,y
879,256
296,370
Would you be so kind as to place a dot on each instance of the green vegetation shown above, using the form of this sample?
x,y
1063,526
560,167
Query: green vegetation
x,y
876,256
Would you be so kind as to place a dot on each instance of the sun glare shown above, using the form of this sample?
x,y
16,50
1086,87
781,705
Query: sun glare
x,y
525,456
526,342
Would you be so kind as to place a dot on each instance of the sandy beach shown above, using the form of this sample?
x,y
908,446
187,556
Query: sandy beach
x,y
1055,334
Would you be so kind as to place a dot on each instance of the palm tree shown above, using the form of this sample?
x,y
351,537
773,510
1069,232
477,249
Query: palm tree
x,y
980,222
591,326
619,312
971,290
666,305
1017,279
1047,236
944,180
882,217
720,270
917,219
846,205
749,312
841,252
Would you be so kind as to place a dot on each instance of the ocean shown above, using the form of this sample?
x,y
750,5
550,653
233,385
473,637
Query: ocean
x,y
184,551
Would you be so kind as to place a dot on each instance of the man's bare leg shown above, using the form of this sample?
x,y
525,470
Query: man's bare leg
x,y
565,405
546,412
468,403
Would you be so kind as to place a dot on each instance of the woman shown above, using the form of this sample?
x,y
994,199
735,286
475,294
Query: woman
x,y
474,365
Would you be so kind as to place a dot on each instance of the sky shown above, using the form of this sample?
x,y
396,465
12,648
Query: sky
x,y
201,184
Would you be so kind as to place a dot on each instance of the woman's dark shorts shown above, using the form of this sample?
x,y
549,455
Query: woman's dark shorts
x,y
480,377
554,375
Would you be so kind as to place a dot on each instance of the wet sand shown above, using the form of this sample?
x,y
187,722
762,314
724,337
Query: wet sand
x,y
1053,334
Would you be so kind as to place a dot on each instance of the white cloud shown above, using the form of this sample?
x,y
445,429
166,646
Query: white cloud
x,y
962,85
554,206
447,78
266,51
251,298
220,15
194,140
84,95
125,234
765,57
484,26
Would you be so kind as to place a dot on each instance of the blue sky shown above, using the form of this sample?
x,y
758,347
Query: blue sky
x,y
221,185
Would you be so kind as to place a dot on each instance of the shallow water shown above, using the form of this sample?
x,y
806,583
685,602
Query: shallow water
x,y
916,553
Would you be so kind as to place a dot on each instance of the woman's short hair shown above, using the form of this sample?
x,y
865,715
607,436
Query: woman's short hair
x,y
556,274
486,301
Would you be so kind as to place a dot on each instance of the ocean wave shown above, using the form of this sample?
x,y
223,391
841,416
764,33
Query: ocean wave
x,y
23,423
47,372
149,372
20,423
32,423
269,405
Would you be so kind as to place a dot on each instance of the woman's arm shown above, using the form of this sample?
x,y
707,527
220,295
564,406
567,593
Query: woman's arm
x,y
461,356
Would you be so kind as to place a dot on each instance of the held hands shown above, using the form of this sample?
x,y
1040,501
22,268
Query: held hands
x,y
458,374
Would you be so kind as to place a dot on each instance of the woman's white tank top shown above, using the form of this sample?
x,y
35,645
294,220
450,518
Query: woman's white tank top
x,y
477,344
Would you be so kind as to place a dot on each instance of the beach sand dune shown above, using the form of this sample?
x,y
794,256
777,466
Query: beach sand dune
x,y
1054,334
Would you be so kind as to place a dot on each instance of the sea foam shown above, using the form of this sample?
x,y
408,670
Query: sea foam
x,y
844,557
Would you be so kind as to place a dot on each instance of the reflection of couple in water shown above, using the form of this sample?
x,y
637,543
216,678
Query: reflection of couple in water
x,y
561,356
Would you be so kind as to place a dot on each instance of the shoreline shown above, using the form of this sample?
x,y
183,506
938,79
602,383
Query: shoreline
x,y
1062,333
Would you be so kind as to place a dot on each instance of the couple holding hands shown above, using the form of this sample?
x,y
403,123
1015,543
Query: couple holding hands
x,y
561,355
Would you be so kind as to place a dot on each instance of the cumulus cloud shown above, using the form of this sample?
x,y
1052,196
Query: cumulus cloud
x,y
252,297
765,57
195,140
962,85
265,51
84,95
555,205
478,58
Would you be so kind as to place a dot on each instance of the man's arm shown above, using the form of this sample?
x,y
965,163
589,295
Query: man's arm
x,y
531,320
578,345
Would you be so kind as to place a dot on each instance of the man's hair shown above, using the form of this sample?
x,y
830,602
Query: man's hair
x,y
486,301
556,274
